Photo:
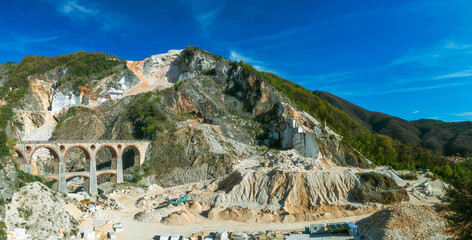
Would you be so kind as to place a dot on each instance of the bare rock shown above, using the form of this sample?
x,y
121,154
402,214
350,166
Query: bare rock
x,y
41,211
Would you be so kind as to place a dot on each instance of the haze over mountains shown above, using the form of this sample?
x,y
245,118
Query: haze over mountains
x,y
448,138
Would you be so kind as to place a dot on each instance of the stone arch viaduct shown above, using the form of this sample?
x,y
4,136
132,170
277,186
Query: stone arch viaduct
x,y
90,148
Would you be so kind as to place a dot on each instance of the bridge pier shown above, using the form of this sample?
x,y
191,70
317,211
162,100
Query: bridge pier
x,y
119,169
93,188
26,168
61,180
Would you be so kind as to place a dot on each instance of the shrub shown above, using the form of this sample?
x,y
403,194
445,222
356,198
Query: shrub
x,y
409,176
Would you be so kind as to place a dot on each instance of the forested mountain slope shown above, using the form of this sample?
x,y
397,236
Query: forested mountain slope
x,y
449,138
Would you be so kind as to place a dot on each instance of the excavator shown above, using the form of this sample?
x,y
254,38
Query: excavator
x,y
177,201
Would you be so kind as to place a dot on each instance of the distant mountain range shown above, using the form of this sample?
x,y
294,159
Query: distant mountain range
x,y
449,138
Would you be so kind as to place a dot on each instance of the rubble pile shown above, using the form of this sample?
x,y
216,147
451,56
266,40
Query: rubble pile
x,y
427,190
286,160
289,160
107,202
155,215
403,221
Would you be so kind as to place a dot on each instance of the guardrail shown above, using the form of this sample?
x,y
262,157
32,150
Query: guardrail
x,y
79,141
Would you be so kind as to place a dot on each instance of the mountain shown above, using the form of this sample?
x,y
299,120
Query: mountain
x,y
243,144
449,138
201,112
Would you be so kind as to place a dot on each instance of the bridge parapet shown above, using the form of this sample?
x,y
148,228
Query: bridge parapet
x,y
80,141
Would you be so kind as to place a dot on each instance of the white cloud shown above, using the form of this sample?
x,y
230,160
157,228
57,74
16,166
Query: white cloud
x,y
238,57
204,12
206,18
80,11
258,65
463,114
415,112
72,7
454,45
466,73
434,55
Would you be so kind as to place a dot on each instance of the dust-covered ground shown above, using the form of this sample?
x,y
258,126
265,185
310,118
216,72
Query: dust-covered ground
x,y
278,191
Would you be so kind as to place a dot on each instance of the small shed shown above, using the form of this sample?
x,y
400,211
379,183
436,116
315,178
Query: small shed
x,y
317,228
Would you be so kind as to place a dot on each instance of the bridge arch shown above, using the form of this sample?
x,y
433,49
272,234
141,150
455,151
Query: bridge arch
x,y
21,159
113,151
106,171
131,156
76,169
81,147
51,149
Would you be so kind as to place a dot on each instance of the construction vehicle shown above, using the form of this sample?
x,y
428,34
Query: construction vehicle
x,y
177,201
86,202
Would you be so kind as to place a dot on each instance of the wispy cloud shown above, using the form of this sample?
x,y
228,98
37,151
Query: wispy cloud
x,y
259,65
463,114
20,44
73,7
333,21
433,55
415,112
204,12
206,18
455,45
402,90
323,78
466,73
238,57
80,11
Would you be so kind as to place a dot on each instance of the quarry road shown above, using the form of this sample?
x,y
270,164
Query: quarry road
x,y
140,230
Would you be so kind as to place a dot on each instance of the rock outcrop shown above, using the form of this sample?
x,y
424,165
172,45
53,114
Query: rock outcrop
x,y
41,211
379,188
8,177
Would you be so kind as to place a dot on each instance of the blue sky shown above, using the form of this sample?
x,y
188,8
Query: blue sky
x,y
411,59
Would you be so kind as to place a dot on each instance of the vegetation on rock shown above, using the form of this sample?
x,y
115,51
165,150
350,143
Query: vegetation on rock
x,y
147,115
78,68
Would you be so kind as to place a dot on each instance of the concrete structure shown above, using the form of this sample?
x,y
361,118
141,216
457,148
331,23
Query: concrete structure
x,y
90,148
294,137
317,228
